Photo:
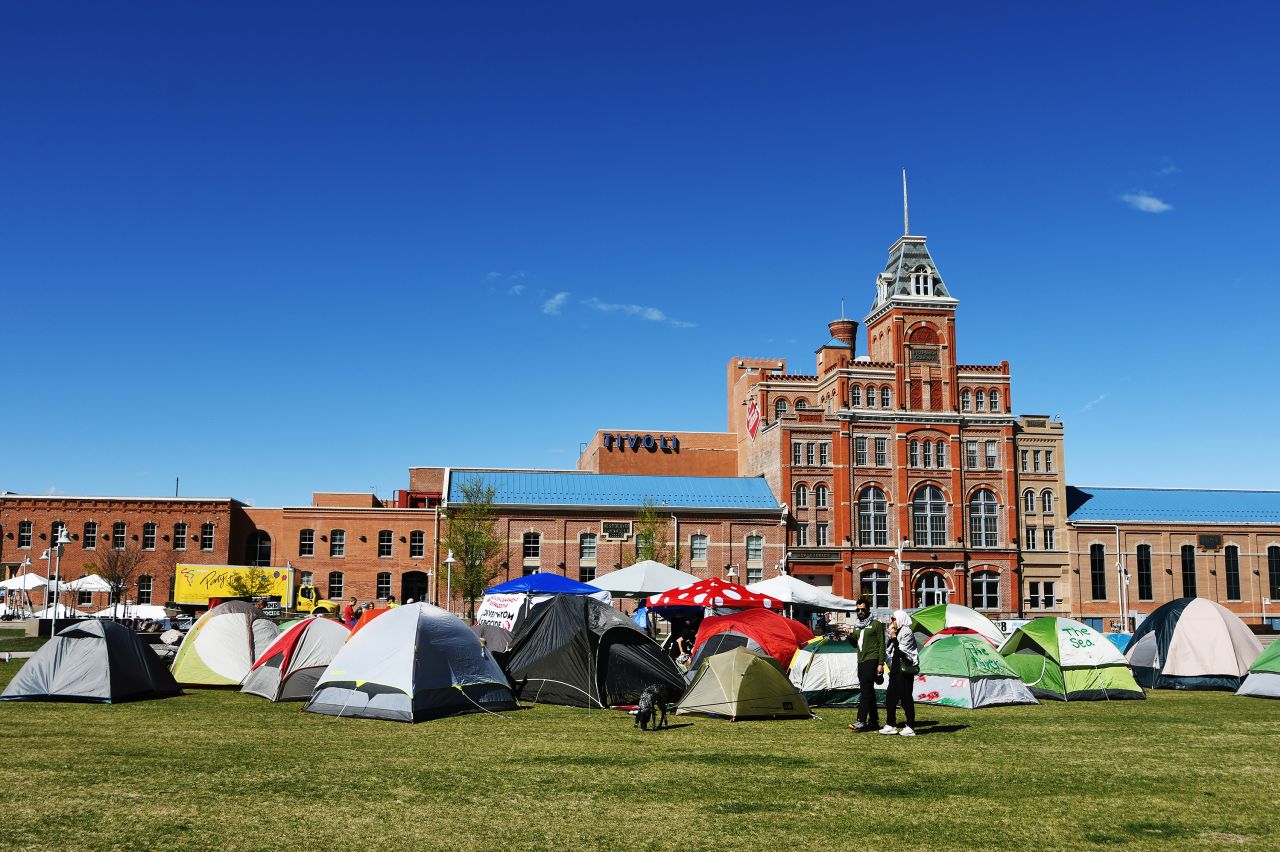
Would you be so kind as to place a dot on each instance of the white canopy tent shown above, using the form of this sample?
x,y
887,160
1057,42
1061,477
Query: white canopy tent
x,y
87,583
151,611
643,579
23,583
789,590
59,610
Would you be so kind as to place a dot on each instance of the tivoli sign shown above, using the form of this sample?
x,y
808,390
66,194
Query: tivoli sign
x,y
619,441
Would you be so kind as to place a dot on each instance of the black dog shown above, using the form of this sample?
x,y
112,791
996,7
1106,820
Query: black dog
x,y
651,709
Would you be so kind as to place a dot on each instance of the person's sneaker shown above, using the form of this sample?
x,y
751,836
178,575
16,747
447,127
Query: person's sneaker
x,y
857,726
907,732
888,729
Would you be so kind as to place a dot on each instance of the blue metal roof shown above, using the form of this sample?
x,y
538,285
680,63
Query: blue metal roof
x,y
1169,505
568,488
833,344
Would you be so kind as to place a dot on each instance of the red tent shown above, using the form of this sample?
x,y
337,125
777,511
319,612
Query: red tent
x,y
714,592
367,616
957,631
756,630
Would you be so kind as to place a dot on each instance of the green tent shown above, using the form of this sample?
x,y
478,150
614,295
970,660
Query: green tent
x,y
1263,680
741,685
1063,659
826,673
965,671
934,619
223,645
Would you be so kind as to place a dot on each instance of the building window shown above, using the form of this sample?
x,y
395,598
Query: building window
x,y
885,399
820,496
384,544
921,282
982,519
860,451
118,531
995,400
913,454
797,449
802,497
144,589
802,405
384,585
206,537
966,400
985,589
337,544
1023,454
148,536
754,575
90,536
929,517
882,452
875,587
306,578
1232,558
873,518
802,535
417,544
942,453
824,455
779,409
1098,571
971,454
55,531
755,548
586,573
1031,538
84,598
1145,589
306,542
587,548
808,454
855,398
981,399
698,549
24,534
1273,571
179,536
1035,461
1048,461
1041,595
532,546
822,541
1188,571
335,583
871,396
1029,501
991,455
1046,501
258,549
1048,538
931,589
926,454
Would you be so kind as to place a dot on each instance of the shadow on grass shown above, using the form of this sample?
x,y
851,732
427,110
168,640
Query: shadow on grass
x,y
935,728
1131,832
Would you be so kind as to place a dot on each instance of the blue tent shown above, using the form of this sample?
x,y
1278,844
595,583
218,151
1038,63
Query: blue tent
x,y
542,584
1120,640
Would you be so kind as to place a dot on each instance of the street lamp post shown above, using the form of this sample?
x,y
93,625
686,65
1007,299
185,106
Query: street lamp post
x,y
63,540
897,560
25,593
448,564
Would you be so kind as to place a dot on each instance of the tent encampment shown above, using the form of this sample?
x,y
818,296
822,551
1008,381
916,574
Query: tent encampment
x,y
794,592
579,651
223,644
742,685
825,671
1263,680
289,668
507,604
93,661
416,662
1119,640
1192,643
643,578
965,671
933,619
713,593
955,631
365,617
1064,659
59,610
760,631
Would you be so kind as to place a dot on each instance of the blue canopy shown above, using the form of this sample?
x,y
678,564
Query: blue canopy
x,y
542,584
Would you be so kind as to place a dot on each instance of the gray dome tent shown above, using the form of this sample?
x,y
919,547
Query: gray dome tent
x,y
95,661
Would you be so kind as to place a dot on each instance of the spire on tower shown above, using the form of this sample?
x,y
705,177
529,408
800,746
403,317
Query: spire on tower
x,y
906,228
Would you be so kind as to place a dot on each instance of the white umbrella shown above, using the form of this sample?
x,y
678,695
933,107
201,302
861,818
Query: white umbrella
x,y
643,578
788,589
88,583
24,583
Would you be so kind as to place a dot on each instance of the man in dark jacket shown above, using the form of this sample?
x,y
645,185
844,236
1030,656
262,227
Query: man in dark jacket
x,y
868,633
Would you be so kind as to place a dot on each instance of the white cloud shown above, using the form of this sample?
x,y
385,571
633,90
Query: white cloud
x,y
516,290
552,306
493,276
641,311
1146,202
1094,402
1167,167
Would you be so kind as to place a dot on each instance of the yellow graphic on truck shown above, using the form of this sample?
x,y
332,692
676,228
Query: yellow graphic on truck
x,y
194,585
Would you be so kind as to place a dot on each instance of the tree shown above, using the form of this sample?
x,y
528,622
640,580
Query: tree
x,y
251,583
120,568
474,541
651,534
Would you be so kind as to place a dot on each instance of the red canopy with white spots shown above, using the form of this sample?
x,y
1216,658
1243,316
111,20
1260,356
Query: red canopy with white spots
x,y
714,592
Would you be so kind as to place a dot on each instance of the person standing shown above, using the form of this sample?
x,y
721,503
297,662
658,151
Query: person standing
x,y
870,638
391,602
903,657
350,612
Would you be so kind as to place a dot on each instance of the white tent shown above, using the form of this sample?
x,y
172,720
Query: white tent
x,y
151,611
87,583
26,582
59,610
643,579
789,590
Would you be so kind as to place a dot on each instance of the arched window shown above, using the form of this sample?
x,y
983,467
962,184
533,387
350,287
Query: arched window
x,y
924,336
913,457
118,530
926,454
820,496
801,405
1188,571
335,585
1231,557
885,399
698,549
90,538
587,547
855,396
929,517
981,400
942,453
386,543
337,544
1029,501
873,518
258,549
1144,573
966,400
306,542
779,409
985,590
871,396
417,544
931,589
802,496
875,586
383,588
1046,501
921,282
144,589
982,519
994,396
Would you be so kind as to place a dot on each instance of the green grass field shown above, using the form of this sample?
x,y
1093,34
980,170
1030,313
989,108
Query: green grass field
x,y
219,768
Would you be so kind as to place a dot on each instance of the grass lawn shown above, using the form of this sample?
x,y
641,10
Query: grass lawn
x,y
22,643
215,767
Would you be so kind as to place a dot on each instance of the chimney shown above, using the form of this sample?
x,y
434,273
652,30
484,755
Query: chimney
x,y
843,330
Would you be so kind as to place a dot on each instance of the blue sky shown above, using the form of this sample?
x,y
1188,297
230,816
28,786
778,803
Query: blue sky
x,y
302,249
